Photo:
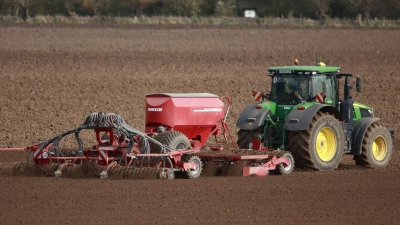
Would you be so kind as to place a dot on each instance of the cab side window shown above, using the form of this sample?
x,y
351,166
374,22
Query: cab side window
x,y
323,84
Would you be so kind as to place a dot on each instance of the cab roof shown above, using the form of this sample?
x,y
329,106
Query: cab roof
x,y
303,69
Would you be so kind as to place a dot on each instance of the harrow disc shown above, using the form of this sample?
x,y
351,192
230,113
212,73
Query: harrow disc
x,y
91,170
31,169
115,172
78,171
123,172
149,173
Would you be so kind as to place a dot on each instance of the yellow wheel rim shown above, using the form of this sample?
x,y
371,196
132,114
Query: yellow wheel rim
x,y
326,144
379,148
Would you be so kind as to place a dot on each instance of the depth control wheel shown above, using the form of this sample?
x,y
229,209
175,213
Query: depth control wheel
x,y
283,169
165,173
193,173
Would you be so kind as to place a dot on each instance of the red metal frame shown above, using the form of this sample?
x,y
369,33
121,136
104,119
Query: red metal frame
x,y
104,159
107,152
268,162
222,128
264,169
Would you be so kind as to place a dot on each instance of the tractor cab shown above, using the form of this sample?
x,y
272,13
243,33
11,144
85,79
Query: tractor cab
x,y
290,90
295,84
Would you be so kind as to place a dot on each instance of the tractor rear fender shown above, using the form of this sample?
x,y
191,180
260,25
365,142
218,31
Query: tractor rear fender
x,y
251,118
358,133
301,119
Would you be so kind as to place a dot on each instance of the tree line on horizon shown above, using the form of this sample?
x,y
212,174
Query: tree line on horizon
x,y
312,9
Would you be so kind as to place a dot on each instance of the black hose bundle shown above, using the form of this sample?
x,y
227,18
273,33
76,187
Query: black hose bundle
x,y
107,120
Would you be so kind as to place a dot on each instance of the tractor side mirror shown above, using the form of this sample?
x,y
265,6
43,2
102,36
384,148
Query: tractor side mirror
x,y
358,83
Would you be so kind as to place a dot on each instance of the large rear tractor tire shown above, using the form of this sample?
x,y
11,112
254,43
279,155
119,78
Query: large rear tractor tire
x,y
377,147
320,147
173,139
246,137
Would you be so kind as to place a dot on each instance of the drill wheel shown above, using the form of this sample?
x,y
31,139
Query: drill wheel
x,y
193,173
283,169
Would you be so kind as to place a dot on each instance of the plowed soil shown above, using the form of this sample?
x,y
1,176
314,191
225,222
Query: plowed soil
x,y
52,77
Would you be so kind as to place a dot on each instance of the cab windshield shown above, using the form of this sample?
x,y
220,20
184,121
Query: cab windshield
x,y
290,89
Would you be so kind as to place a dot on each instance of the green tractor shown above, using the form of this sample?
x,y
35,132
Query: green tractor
x,y
304,114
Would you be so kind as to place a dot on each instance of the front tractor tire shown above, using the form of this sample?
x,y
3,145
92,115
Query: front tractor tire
x,y
376,149
320,147
246,137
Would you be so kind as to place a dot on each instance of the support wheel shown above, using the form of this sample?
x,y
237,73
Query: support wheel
x,y
283,169
245,137
320,147
193,174
165,173
170,175
377,147
173,139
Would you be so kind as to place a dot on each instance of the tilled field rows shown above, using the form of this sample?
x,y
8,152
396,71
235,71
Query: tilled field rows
x,y
52,77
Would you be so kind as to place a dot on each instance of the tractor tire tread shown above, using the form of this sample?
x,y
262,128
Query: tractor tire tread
x,y
168,138
245,137
366,158
300,146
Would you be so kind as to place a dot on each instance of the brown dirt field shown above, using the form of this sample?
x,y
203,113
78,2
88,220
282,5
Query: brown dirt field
x,y
52,77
